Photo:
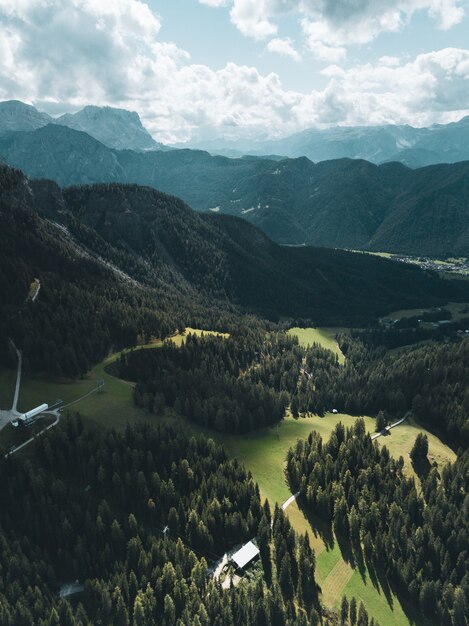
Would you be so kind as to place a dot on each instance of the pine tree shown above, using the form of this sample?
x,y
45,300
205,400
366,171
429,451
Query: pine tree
x,y
420,449
344,611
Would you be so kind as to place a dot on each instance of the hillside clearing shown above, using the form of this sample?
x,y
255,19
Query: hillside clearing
x,y
325,337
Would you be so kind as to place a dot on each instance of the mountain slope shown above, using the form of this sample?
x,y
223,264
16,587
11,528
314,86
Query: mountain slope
x,y
227,258
117,261
415,147
344,203
16,115
115,128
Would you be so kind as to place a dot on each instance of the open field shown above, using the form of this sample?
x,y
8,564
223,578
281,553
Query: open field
x,y
458,310
400,440
112,407
325,337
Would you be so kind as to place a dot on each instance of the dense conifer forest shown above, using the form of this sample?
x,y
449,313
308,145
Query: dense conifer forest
x,y
430,380
417,541
120,263
91,505
233,385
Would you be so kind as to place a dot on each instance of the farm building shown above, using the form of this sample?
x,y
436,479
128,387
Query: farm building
x,y
245,555
28,417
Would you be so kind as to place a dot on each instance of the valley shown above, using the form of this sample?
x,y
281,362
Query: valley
x,y
237,341
263,453
295,201
234,313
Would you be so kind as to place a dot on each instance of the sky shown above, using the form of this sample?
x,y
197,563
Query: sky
x,y
196,70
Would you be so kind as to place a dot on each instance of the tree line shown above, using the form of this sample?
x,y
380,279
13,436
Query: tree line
x,y
92,505
430,380
417,541
234,385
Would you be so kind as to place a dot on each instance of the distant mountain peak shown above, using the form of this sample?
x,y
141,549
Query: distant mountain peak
x,y
115,128
17,116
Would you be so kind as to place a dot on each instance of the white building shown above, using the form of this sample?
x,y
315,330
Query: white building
x,y
245,555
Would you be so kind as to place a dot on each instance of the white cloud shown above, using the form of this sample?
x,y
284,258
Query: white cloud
x,y
432,87
284,47
214,3
331,25
108,52
251,17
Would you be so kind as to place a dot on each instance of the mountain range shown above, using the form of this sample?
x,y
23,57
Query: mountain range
x,y
139,244
121,129
115,128
341,203
414,147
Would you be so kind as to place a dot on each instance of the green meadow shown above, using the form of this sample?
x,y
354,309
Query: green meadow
x,y
325,337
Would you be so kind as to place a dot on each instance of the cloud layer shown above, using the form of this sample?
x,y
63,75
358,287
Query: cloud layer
x,y
331,25
101,52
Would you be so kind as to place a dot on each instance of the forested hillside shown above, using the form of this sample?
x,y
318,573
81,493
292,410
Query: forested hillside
x,y
121,263
95,512
340,203
430,380
419,542
236,385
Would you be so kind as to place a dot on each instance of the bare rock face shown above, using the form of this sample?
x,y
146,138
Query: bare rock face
x,y
115,128
16,115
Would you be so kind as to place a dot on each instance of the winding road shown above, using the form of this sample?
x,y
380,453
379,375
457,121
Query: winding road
x,y
388,428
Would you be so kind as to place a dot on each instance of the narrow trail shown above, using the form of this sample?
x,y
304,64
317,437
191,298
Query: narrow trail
x,y
388,428
290,500
97,388
18,379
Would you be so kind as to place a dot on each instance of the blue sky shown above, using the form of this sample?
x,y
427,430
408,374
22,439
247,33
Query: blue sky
x,y
210,37
241,69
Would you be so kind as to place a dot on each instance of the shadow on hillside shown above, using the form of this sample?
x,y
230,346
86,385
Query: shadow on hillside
x,y
378,576
319,527
422,467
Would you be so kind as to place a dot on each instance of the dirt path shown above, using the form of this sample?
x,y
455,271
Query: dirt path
x,y
18,380
388,428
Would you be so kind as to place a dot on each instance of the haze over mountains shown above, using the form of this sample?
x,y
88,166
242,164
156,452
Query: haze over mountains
x,y
115,128
414,147
121,129
339,203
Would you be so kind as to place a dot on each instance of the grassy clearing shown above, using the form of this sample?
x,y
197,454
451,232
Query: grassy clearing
x,y
385,608
113,407
33,288
264,451
401,439
178,339
325,337
457,309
